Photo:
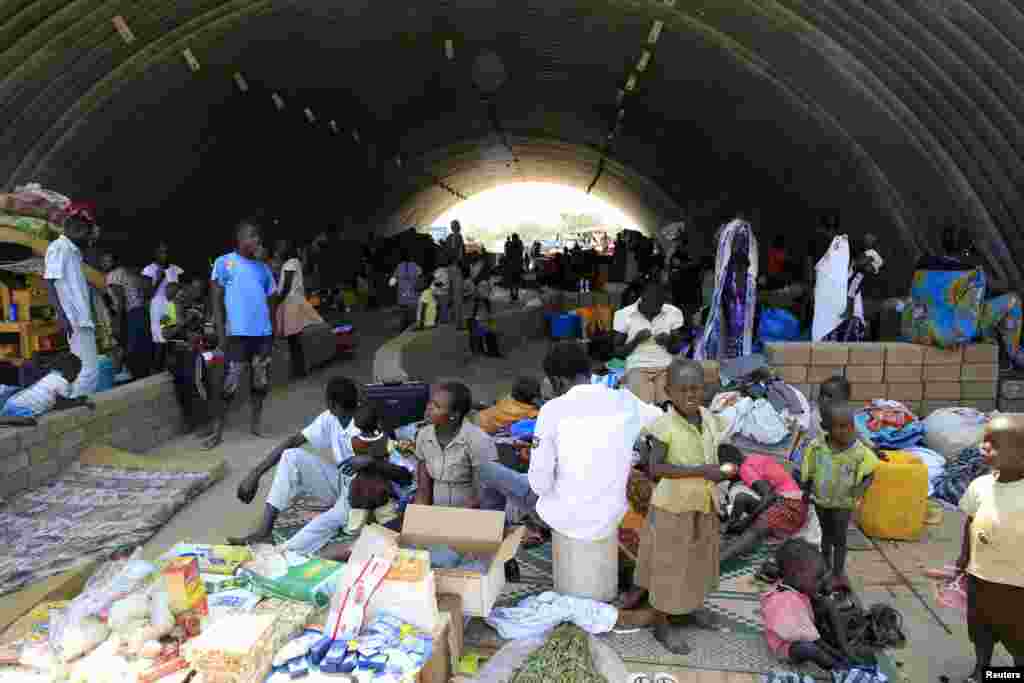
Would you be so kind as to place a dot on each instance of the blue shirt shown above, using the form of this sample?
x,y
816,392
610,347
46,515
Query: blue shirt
x,y
247,284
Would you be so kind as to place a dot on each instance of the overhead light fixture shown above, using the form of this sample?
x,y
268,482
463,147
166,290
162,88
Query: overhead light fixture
x,y
355,135
278,102
240,81
449,48
398,160
122,28
631,83
193,63
621,115
620,95
656,27
669,3
310,115
334,125
645,57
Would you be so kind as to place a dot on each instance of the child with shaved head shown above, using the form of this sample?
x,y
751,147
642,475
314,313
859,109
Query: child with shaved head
x,y
836,471
677,565
993,538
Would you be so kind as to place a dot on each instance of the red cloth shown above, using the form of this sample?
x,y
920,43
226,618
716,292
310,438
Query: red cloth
x,y
784,518
776,261
766,468
788,618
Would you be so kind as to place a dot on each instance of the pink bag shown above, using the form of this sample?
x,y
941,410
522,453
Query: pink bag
x,y
788,614
953,594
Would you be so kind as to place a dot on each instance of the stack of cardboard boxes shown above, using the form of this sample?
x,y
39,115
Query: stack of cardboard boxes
x,y
923,378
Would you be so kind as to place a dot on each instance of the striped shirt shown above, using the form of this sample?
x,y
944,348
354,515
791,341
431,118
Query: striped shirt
x,y
63,265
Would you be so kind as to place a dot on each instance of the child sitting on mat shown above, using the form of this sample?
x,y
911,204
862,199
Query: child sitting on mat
x,y
371,488
836,471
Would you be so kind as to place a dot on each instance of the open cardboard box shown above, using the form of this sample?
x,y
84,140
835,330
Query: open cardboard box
x,y
475,531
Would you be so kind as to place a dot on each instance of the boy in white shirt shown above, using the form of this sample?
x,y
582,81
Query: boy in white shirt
x,y
72,298
646,335
51,391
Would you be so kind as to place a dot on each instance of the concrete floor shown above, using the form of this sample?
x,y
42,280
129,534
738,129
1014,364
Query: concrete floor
x,y
888,573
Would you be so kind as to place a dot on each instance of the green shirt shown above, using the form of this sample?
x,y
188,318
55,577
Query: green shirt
x,y
836,475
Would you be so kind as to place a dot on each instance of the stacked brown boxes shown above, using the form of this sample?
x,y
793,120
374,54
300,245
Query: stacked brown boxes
x,y
923,378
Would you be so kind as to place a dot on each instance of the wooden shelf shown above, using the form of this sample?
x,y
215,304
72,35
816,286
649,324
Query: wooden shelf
x,y
11,235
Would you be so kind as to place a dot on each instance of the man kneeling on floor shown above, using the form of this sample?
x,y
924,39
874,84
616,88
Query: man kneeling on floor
x,y
678,562
303,473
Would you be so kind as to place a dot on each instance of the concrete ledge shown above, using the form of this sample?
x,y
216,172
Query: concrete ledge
x,y
443,351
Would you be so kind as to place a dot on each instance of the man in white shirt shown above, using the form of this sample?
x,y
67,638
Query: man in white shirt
x,y
160,273
72,298
301,472
582,453
646,335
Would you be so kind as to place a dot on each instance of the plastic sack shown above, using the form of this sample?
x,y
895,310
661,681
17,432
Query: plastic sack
x,y
953,594
523,429
778,325
127,612
509,659
788,616
950,430
539,614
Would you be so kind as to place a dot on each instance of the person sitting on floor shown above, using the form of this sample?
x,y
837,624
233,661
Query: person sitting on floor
x,y
520,405
451,451
780,511
303,473
798,609
52,392
677,565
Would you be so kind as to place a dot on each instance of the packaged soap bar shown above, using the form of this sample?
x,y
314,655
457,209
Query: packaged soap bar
x,y
186,590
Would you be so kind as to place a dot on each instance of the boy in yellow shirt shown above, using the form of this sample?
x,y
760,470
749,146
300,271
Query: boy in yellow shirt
x,y
678,561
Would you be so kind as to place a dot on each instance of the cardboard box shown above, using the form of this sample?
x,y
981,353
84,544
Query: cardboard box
x,y
817,374
942,373
981,354
477,531
946,391
910,391
867,353
867,391
979,373
901,353
829,353
929,407
711,371
979,390
447,647
936,356
866,374
788,353
903,374
792,374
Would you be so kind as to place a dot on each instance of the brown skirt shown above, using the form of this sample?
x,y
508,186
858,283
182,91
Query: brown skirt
x,y
678,559
996,607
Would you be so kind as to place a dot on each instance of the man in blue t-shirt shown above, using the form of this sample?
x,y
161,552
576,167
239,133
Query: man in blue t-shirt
x,y
241,288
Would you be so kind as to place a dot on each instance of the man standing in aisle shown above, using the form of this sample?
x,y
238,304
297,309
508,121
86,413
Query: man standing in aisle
x,y
456,258
159,274
646,334
240,290
72,298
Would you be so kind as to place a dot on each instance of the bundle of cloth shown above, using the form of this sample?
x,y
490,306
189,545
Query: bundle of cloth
x,y
889,425
951,485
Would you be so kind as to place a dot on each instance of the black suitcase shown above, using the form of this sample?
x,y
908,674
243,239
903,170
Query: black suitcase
x,y
400,403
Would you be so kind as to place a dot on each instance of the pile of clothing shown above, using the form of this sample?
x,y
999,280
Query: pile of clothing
x,y
889,425
763,410
951,484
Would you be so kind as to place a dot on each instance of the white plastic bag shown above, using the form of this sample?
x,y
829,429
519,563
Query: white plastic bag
x,y
756,420
950,430
127,612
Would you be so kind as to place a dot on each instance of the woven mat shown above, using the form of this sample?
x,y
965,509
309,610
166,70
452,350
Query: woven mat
x,y
298,514
106,501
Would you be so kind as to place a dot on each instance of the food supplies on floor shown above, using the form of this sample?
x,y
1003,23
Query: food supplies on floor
x,y
289,575
213,559
234,649
184,586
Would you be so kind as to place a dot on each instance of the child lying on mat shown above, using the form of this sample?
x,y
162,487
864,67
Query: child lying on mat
x,y
49,393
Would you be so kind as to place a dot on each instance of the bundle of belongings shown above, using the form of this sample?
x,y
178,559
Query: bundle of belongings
x,y
760,409
951,484
889,425
36,211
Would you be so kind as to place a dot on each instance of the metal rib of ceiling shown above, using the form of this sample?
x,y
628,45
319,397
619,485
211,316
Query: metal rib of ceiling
x,y
903,114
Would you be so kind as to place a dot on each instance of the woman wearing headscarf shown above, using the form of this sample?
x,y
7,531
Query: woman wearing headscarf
x,y
729,332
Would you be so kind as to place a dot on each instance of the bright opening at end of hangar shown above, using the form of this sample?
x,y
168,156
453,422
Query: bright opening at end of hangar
x,y
535,211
